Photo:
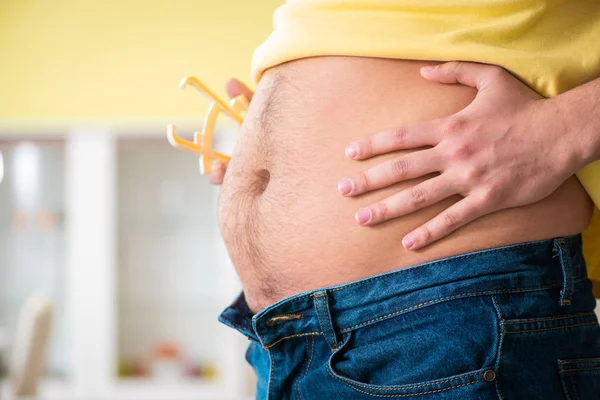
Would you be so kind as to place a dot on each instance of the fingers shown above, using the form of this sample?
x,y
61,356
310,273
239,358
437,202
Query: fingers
x,y
235,88
408,166
407,201
217,173
457,215
468,73
405,137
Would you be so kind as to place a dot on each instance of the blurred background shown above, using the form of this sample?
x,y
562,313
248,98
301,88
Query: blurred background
x,y
109,243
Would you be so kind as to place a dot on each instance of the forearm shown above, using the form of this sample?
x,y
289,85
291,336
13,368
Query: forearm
x,y
579,112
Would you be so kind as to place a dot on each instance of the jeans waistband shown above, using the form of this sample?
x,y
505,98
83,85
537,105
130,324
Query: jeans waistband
x,y
334,310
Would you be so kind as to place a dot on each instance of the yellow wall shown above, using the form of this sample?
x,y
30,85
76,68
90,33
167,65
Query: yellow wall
x,y
108,59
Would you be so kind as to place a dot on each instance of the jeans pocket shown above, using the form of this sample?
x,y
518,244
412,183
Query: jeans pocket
x,y
446,345
580,378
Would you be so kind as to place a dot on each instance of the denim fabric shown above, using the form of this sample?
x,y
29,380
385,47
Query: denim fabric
x,y
513,322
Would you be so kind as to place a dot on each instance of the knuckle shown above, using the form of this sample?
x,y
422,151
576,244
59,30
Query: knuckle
x,y
455,65
426,233
399,167
461,152
490,195
455,125
381,210
472,174
418,196
364,181
399,135
450,220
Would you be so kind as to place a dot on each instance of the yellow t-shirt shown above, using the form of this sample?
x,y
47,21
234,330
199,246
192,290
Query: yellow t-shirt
x,y
551,45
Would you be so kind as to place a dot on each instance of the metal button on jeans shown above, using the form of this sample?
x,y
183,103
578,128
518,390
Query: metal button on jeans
x,y
489,375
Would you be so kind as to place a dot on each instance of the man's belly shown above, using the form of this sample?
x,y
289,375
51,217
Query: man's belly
x,y
286,227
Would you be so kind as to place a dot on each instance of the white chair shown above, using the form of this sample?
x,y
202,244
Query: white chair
x,y
28,353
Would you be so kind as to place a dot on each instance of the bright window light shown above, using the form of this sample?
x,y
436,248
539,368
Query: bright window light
x,y
26,174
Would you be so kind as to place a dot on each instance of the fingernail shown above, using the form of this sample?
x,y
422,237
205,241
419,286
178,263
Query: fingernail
x,y
345,186
408,242
363,215
352,150
430,68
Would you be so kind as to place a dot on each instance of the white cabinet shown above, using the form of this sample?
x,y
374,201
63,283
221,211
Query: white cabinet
x,y
32,256
136,267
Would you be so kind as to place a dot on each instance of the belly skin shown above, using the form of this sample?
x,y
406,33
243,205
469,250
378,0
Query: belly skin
x,y
286,227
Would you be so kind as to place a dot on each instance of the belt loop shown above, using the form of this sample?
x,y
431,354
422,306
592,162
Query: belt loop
x,y
566,293
321,301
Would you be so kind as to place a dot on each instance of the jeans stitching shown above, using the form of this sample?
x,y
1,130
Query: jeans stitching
x,y
297,384
450,259
267,347
564,380
565,263
272,373
412,394
331,333
346,339
416,306
548,319
553,329
580,369
391,388
416,394
342,343
498,378
497,307
442,299
312,352
321,324
580,361
348,285
500,346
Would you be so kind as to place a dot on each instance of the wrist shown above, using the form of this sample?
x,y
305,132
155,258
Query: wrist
x,y
567,134
578,110
542,122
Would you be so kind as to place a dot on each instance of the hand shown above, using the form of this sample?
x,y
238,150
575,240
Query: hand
x,y
508,148
218,168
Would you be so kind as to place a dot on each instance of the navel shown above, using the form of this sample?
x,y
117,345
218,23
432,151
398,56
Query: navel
x,y
261,181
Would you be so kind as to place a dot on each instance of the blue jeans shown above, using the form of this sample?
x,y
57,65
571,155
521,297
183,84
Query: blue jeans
x,y
513,322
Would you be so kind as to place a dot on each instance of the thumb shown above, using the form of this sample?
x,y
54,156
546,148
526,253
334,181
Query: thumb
x,y
468,73
235,88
